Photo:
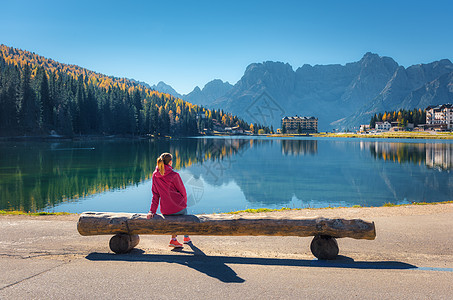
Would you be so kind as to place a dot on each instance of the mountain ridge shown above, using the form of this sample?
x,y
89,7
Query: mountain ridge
x,y
340,95
211,91
165,88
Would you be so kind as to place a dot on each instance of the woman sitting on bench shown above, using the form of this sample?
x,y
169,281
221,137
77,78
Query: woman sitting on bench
x,y
169,190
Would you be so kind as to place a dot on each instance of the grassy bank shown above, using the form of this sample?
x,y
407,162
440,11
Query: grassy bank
x,y
381,135
392,135
23,213
389,204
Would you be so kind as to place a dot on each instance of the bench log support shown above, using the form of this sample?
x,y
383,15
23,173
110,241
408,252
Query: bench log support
x,y
123,242
324,247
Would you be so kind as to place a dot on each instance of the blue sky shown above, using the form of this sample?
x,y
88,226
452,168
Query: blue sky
x,y
188,43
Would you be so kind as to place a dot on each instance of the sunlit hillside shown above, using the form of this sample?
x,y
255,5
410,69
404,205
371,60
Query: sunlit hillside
x,y
39,96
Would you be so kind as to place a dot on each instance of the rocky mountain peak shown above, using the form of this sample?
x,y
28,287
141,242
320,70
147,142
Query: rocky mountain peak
x,y
372,62
210,92
165,88
269,74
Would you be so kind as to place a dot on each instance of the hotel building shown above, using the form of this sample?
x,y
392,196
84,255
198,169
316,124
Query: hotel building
x,y
300,124
440,116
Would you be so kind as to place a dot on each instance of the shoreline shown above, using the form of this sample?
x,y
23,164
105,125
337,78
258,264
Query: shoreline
x,y
76,138
393,135
248,211
260,210
384,135
430,135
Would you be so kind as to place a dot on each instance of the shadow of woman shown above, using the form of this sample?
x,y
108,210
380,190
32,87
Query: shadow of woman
x,y
211,267
216,266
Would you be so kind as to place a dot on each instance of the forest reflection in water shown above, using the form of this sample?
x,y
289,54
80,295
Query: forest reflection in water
x,y
239,172
433,155
34,176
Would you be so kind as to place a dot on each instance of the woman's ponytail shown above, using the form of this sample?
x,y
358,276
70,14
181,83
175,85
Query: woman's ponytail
x,y
164,159
160,165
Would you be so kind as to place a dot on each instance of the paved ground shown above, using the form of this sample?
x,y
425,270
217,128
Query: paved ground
x,y
411,258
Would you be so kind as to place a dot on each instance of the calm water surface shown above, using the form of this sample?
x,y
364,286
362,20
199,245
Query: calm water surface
x,y
225,174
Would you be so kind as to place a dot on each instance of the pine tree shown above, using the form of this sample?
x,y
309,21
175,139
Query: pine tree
x,y
9,83
47,105
28,108
373,121
91,111
154,120
81,110
137,100
64,120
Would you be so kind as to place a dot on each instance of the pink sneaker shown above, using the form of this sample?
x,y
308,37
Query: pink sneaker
x,y
175,243
187,240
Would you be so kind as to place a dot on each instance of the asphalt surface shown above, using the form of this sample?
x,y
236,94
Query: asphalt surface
x,y
411,258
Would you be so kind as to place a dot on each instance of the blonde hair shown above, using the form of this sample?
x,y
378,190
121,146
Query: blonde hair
x,y
164,159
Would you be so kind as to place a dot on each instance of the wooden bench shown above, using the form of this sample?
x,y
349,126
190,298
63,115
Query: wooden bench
x,y
127,226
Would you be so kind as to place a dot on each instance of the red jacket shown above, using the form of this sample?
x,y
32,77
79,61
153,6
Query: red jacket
x,y
170,190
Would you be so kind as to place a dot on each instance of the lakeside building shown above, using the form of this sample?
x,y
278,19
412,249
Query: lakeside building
x,y
300,124
440,116
234,130
384,126
364,127
387,126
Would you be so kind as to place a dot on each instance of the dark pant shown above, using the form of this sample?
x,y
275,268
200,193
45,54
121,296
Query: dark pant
x,y
182,212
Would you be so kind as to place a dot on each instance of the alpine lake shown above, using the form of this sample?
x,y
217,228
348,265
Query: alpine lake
x,y
223,174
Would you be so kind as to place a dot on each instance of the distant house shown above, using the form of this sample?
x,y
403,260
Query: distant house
x,y
364,127
384,126
440,116
234,130
300,124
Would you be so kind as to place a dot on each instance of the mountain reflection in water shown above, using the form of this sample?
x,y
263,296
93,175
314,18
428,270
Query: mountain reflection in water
x,y
224,174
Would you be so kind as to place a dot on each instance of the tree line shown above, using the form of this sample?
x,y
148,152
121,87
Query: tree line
x,y
403,117
40,96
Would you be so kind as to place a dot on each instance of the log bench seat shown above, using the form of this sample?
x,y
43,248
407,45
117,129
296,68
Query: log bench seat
x,y
127,226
